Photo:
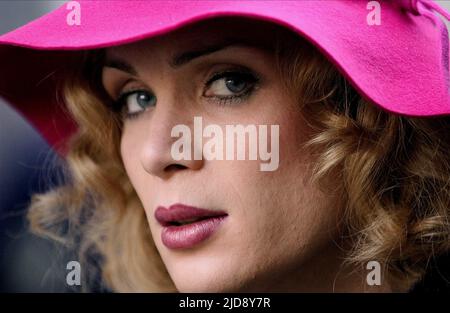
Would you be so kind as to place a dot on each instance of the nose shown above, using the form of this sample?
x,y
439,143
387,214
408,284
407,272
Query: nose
x,y
156,157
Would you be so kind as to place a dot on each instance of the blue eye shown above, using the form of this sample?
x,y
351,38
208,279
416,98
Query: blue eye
x,y
137,101
228,86
231,85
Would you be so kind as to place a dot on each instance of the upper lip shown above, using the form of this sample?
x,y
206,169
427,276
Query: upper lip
x,y
180,212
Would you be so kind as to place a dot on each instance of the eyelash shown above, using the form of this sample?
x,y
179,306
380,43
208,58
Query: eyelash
x,y
251,78
120,105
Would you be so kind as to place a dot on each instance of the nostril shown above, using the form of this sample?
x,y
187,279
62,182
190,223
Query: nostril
x,y
174,167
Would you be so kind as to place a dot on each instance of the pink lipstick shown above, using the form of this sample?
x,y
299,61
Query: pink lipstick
x,y
185,226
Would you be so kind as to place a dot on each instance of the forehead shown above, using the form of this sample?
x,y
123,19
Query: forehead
x,y
205,33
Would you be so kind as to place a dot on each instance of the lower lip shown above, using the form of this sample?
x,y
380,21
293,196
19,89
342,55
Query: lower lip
x,y
189,235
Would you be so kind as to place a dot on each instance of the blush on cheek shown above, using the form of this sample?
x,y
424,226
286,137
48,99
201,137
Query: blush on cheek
x,y
129,156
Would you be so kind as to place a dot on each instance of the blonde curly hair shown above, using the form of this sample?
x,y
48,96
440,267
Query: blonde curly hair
x,y
395,174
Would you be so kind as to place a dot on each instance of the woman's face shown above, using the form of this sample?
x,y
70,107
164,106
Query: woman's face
x,y
278,229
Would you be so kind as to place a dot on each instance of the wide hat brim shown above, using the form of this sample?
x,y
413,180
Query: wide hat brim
x,y
400,65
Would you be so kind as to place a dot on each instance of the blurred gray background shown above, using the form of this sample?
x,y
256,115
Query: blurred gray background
x,y
27,263
27,165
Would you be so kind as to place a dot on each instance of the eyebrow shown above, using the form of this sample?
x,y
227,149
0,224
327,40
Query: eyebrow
x,y
187,56
121,65
178,60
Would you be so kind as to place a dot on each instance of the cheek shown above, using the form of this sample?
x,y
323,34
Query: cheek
x,y
129,150
286,212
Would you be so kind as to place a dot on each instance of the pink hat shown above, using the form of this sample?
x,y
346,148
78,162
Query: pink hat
x,y
402,64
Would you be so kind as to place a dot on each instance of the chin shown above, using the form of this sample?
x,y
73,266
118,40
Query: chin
x,y
205,283
206,276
